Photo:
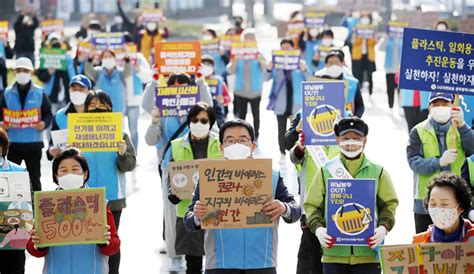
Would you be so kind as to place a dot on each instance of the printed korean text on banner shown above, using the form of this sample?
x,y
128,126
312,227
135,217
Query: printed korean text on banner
x,y
53,58
234,192
3,29
113,41
226,41
21,118
52,25
59,138
213,85
16,212
437,61
432,258
210,46
67,217
350,205
323,106
178,57
295,29
83,47
286,59
314,19
184,176
244,51
95,131
396,28
365,31
176,101
152,15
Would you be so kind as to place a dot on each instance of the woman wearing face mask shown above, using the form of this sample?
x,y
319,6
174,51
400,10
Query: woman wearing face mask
x,y
109,79
308,42
321,50
363,52
219,56
441,25
449,196
200,143
216,85
149,36
71,171
107,169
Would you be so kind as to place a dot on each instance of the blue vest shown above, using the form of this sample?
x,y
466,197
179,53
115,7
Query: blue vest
x,y
11,167
219,66
353,83
3,53
256,77
61,117
408,100
297,78
34,99
467,105
309,53
114,87
390,51
48,87
75,259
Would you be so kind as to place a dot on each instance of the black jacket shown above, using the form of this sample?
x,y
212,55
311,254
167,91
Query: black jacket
x,y
25,35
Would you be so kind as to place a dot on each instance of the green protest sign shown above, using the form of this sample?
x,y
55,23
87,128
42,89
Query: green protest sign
x,y
53,58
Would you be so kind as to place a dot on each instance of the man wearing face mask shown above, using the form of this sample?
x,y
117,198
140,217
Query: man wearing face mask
x,y
363,52
27,143
25,26
237,140
149,36
118,25
216,85
238,22
321,50
351,137
431,151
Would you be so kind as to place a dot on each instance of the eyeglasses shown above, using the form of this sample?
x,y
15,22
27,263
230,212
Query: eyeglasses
x,y
202,120
242,141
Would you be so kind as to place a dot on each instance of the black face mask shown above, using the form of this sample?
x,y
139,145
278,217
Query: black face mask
x,y
238,24
56,45
97,110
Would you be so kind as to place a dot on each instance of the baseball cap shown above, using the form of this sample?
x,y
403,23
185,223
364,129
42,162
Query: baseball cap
x,y
24,63
441,95
82,80
353,124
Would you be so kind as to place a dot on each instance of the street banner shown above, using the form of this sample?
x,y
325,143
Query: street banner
x,y
314,19
178,57
294,29
184,176
52,25
53,58
59,138
323,106
429,258
95,131
213,85
4,29
176,101
152,15
234,192
16,213
226,41
21,118
210,46
244,51
68,217
396,28
350,205
286,59
437,61
365,31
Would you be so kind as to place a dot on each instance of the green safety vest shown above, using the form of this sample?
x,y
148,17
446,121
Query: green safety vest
x,y
181,151
470,165
430,149
367,170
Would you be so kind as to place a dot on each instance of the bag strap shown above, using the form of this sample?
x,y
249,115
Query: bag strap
x,y
175,135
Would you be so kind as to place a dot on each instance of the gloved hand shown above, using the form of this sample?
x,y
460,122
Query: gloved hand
x,y
155,72
448,157
199,71
471,215
379,236
324,238
457,115
174,199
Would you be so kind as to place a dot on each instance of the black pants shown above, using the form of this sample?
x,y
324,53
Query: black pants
x,y
12,261
391,85
240,110
282,123
351,269
114,260
193,264
361,66
422,221
309,254
33,163
414,116
240,271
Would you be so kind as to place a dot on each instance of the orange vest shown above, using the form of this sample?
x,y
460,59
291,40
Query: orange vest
x,y
357,49
425,237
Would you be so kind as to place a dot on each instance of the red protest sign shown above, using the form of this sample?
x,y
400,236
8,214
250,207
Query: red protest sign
x,y
21,118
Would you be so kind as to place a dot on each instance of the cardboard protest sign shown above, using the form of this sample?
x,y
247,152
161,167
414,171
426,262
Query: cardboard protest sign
x,y
59,138
53,58
4,29
178,57
67,217
286,59
52,25
213,86
210,46
323,105
234,192
466,25
350,205
184,176
16,213
294,29
437,61
313,19
365,31
244,51
21,118
95,131
152,15
430,258
176,101
396,28
226,41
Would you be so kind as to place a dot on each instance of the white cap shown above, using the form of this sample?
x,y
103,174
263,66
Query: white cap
x,y
24,63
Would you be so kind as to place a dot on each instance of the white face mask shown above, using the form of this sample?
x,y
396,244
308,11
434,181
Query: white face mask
x,y
364,21
118,20
444,218
151,26
108,63
71,181
353,145
207,70
313,32
207,37
441,115
334,71
441,27
77,98
326,42
237,152
199,129
23,78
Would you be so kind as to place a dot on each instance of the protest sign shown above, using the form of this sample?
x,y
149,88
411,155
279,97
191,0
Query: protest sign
x,y
16,214
131,51
466,25
226,41
95,131
286,59
350,205
67,217
323,104
432,258
52,25
313,19
176,101
418,19
152,15
21,118
213,86
53,58
178,57
184,176
244,51
210,46
59,138
113,41
365,31
83,47
3,29
294,29
234,192
437,61
396,28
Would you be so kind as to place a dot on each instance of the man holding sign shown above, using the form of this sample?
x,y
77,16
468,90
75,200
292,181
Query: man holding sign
x,y
225,249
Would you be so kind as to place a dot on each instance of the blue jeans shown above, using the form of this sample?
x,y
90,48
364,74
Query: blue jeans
x,y
351,269
133,113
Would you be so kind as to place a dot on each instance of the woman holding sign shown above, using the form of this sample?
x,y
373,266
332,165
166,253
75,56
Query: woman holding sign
x,y
363,50
71,171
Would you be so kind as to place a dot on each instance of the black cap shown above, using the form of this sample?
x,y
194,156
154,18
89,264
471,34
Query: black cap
x,y
353,124
335,52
